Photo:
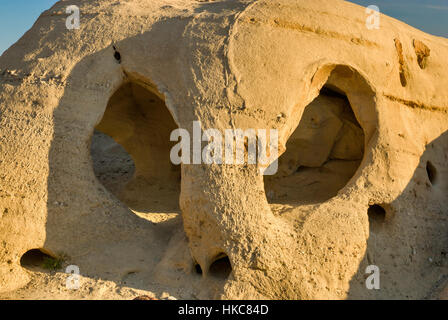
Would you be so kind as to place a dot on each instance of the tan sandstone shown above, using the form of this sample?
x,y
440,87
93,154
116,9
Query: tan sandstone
x,y
362,117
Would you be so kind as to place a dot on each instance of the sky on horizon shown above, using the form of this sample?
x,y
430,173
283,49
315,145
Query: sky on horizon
x,y
431,16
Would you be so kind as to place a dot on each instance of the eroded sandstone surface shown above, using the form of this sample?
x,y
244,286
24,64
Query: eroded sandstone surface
x,y
86,176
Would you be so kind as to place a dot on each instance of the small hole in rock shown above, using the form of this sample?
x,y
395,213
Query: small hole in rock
x,y
36,258
377,214
117,55
221,268
432,172
198,269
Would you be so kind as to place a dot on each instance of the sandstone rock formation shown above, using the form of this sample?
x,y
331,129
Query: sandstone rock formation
x,y
362,117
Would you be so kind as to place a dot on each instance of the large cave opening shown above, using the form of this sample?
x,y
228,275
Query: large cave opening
x,y
130,151
322,154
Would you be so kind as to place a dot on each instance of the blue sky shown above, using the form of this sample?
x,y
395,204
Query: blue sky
x,y
430,16
17,16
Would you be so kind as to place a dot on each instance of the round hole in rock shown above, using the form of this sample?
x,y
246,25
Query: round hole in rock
x,y
377,215
130,150
432,172
35,259
322,154
221,267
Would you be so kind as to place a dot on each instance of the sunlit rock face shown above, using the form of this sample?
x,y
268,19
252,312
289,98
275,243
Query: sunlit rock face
x,y
87,178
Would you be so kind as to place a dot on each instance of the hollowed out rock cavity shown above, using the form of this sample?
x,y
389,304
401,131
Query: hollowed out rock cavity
x,y
131,150
322,154
37,259
221,268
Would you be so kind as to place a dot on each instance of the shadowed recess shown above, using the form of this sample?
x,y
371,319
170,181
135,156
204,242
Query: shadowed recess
x,y
221,267
131,151
198,268
321,155
35,258
432,172
377,215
